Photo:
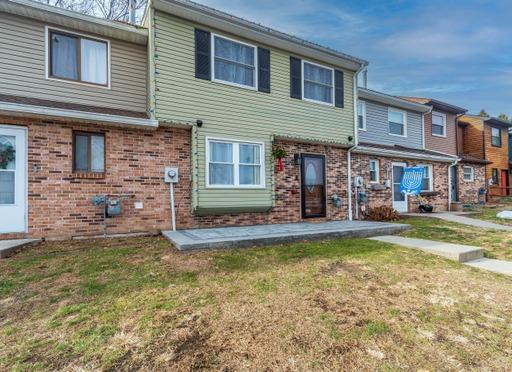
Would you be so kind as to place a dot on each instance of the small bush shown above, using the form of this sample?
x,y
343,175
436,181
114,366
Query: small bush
x,y
383,213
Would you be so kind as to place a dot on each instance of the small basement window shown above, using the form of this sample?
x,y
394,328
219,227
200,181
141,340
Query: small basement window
x,y
469,174
374,171
77,58
88,152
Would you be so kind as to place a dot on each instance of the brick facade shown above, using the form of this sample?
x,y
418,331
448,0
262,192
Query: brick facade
x,y
360,167
468,191
59,201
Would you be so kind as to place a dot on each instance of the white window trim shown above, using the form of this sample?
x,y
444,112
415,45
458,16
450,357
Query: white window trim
x,y
444,124
47,30
431,180
302,83
364,116
377,170
472,173
212,44
236,164
404,113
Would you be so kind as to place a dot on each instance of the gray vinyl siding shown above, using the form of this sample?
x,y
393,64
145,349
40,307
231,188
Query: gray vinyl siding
x,y
377,127
22,71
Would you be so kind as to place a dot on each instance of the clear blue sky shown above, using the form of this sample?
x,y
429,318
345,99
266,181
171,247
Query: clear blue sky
x,y
453,50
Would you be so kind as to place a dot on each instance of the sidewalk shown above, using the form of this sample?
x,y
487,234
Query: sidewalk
x,y
468,255
459,218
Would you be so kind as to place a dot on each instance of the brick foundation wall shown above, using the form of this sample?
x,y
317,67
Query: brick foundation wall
x,y
376,198
59,202
468,191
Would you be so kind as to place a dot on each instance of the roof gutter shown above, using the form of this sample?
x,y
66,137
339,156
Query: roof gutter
x,y
403,154
41,111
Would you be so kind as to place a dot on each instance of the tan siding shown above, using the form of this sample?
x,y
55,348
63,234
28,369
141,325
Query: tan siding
x,y
448,144
236,113
473,137
22,71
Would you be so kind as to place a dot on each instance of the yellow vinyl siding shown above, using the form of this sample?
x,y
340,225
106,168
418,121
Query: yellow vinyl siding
x,y
237,113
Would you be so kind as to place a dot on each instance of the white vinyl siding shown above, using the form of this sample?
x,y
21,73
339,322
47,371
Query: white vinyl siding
x,y
438,124
397,121
469,174
317,83
234,164
234,62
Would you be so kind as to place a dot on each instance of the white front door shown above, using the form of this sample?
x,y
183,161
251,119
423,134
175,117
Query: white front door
x,y
13,179
399,199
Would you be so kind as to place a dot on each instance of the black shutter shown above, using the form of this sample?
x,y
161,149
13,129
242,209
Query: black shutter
x,y
203,54
295,78
263,70
338,89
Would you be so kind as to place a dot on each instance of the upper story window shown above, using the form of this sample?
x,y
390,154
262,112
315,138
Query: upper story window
x,y
469,174
374,171
428,181
318,83
234,62
361,115
397,120
438,124
88,152
496,137
78,58
235,164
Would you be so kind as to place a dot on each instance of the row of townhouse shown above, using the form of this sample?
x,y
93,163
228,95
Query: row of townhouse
x,y
90,107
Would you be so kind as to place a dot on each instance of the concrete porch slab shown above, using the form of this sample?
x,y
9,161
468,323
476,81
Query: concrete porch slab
x,y
259,235
8,247
456,252
497,266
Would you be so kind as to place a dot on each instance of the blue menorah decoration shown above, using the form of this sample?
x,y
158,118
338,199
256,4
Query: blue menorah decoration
x,y
412,180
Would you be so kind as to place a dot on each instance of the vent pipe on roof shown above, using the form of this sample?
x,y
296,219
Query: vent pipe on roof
x,y
131,11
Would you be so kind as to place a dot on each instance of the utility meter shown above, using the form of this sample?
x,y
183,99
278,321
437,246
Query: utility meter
x,y
171,174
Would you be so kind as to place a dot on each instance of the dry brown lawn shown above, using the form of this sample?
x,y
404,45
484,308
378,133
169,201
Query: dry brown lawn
x,y
128,304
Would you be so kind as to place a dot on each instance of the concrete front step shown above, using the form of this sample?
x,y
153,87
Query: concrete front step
x,y
497,266
9,247
456,252
260,235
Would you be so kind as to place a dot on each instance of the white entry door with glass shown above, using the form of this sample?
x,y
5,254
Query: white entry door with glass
x,y
13,179
399,199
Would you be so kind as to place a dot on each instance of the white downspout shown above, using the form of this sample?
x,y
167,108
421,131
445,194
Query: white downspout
x,y
356,139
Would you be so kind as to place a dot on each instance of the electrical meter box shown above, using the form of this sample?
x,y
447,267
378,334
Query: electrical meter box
x,y
171,175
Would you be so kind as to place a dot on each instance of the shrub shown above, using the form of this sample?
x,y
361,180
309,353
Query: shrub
x,y
383,213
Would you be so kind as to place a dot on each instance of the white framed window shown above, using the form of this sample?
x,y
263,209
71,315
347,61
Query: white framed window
x,y
231,163
438,124
397,121
428,180
77,58
496,137
234,62
361,115
374,171
469,174
317,83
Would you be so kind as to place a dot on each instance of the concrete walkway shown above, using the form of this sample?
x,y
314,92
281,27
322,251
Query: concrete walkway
x,y
466,254
8,247
459,218
247,236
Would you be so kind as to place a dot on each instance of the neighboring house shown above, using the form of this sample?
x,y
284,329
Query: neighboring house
x,y
487,139
441,133
243,90
391,138
93,107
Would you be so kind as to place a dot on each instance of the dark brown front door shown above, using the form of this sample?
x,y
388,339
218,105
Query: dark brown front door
x,y
313,185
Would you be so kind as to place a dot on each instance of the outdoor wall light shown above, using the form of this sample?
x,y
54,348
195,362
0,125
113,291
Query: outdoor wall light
x,y
199,123
350,138
296,159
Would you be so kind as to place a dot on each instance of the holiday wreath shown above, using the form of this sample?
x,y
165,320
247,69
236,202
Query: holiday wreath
x,y
7,154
